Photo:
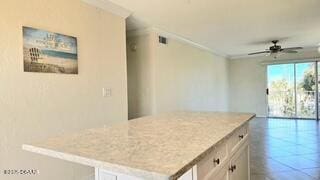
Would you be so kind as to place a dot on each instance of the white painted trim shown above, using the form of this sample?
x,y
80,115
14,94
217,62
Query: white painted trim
x,y
96,174
195,172
186,40
176,37
139,32
261,116
110,7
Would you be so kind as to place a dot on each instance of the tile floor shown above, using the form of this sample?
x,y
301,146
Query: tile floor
x,y
284,149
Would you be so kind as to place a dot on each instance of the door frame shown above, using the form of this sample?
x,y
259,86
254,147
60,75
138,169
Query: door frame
x,y
316,61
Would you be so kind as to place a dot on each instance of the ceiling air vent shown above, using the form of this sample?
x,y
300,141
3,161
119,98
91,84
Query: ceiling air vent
x,y
163,40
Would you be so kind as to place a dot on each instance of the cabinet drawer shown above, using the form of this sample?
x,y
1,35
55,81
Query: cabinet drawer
x,y
237,137
212,161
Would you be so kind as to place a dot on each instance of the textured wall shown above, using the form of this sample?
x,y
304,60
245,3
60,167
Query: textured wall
x,y
188,78
140,75
174,77
247,84
34,106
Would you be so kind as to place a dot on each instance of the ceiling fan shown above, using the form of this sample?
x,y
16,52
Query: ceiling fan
x,y
277,49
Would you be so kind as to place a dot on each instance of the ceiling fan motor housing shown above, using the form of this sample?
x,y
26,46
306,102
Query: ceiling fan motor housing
x,y
275,48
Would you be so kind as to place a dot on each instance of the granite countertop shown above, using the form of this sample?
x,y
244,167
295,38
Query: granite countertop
x,y
153,147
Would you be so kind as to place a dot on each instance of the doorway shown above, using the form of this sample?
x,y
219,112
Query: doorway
x,y
293,90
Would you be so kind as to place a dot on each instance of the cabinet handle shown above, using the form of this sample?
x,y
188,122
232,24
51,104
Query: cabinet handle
x,y
216,161
231,169
241,136
234,167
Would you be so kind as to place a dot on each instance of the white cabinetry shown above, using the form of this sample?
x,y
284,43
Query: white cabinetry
x,y
106,176
189,175
239,165
101,174
229,160
222,174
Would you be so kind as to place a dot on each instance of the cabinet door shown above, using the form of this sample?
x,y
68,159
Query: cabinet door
x,y
221,175
240,164
106,176
101,174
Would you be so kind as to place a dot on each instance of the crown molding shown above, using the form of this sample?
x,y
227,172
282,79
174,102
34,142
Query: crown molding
x,y
187,41
169,35
139,32
110,7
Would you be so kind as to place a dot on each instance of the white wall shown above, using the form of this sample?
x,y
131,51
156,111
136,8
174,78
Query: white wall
x,y
248,80
189,78
173,77
140,64
34,106
247,86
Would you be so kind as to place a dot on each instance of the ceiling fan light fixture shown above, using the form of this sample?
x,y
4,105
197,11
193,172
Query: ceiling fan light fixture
x,y
274,55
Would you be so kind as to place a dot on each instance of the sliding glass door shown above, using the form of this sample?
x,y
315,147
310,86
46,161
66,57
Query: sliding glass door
x,y
281,101
305,90
292,90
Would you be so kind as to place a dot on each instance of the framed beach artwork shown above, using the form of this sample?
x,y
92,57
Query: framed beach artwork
x,y
49,52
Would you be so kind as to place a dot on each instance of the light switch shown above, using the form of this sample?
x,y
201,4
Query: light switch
x,y
106,92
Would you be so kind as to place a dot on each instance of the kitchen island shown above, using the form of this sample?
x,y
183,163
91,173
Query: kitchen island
x,y
181,145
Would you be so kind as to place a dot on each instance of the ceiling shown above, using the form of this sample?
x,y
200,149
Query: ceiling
x,y
231,27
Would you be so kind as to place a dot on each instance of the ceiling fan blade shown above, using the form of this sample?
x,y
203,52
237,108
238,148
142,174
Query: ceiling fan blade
x,y
289,51
292,48
262,52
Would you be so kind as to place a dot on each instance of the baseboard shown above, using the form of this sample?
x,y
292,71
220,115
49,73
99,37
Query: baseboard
x,y
261,116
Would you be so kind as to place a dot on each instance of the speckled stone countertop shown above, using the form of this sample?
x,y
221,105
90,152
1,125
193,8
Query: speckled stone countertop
x,y
153,147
